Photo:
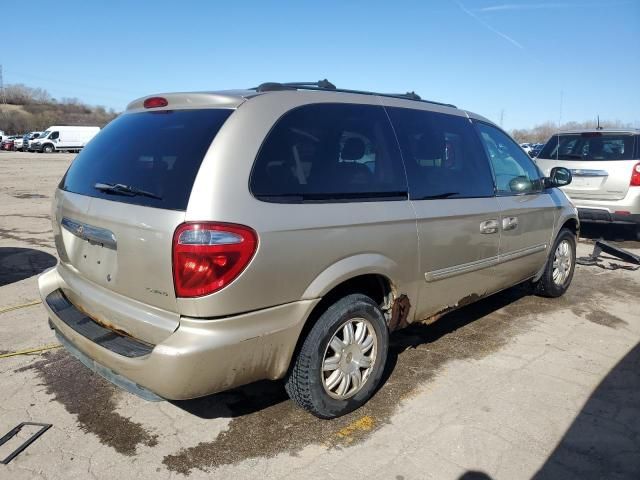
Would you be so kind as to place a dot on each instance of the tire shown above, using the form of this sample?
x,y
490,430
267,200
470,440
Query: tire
x,y
547,286
311,387
48,148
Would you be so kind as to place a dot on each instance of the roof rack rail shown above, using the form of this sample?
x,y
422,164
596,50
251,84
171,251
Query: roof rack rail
x,y
408,95
327,85
271,86
324,84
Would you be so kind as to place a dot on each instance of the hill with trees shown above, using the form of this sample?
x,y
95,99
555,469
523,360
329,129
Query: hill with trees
x,y
541,133
25,109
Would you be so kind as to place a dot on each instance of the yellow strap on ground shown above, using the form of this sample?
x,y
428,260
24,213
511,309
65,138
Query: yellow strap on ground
x,y
30,350
22,305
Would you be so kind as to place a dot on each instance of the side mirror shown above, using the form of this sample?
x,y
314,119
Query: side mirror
x,y
559,177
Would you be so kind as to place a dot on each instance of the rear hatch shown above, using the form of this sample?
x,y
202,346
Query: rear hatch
x,y
117,209
601,162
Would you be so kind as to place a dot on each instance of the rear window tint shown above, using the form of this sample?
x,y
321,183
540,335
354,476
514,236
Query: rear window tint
x,y
443,155
159,152
589,146
330,152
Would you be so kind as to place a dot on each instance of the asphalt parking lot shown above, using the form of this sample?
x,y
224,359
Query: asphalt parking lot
x,y
512,387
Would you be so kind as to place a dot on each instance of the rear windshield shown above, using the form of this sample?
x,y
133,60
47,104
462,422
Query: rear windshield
x,y
589,146
157,152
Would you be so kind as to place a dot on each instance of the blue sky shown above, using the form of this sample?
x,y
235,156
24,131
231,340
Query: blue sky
x,y
511,58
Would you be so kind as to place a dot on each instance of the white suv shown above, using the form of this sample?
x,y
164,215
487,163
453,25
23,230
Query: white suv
x,y
606,173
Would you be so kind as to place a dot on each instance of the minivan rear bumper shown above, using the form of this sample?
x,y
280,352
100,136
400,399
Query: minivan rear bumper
x,y
201,357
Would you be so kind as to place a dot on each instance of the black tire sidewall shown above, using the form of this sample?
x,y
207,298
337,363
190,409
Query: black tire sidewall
x,y
352,306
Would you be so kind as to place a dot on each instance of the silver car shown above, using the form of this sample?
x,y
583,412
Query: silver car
x,y
209,240
606,173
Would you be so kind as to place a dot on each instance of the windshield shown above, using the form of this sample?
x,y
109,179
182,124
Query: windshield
x,y
589,146
157,152
45,134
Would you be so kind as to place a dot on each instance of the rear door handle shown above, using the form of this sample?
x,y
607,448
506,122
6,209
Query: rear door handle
x,y
489,226
509,223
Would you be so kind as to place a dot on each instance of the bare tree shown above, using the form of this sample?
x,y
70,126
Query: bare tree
x,y
541,133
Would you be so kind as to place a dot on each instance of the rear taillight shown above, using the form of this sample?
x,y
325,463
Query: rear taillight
x,y
635,175
208,256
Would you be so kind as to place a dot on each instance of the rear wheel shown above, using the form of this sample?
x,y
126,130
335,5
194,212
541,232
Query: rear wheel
x,y
341,360
560,267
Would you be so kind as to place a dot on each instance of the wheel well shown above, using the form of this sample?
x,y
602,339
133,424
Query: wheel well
x,y
572,224
377,287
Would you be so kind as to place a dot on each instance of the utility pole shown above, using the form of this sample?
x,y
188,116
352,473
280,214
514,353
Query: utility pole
x,y
4,113
501,117
3,97
560,115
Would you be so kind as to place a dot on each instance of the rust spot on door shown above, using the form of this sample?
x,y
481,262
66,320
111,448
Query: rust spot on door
x,y
463,302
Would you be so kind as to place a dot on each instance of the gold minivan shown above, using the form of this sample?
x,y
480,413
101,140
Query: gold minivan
x,y
209,240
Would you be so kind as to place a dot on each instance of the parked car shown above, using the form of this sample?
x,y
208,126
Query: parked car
x,y
535,150
7,143
204,246
18,143
526,147
64,138
606,170
28,139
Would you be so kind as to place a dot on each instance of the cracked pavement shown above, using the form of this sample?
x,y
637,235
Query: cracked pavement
x,y
512,387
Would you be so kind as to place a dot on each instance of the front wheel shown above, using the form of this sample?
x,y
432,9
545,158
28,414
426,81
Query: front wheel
x,y
560,267
47,149
342,359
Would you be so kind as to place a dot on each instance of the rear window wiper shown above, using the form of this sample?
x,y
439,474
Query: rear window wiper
x,y
438,196
121,189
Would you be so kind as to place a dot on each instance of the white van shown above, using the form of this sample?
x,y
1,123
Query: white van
x,y
64,138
